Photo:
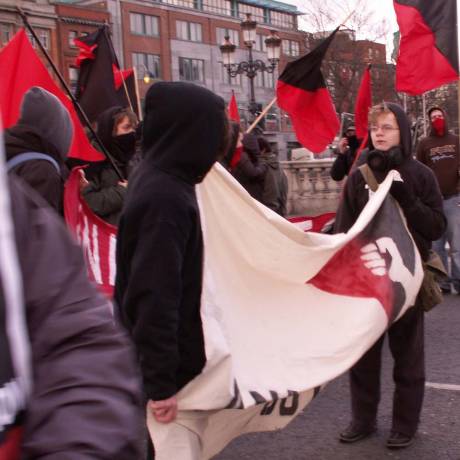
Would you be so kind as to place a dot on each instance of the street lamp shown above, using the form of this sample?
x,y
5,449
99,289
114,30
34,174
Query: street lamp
x,y
251,67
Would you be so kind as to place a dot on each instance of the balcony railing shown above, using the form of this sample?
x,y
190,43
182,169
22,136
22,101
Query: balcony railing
x,y
311,189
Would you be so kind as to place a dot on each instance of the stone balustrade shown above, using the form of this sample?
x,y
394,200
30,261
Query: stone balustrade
x,y
311,189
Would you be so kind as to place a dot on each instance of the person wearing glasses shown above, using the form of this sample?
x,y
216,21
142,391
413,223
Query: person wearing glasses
x,y
346,151
440,152
420,200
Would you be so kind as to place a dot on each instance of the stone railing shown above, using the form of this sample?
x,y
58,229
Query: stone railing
x,y
311,189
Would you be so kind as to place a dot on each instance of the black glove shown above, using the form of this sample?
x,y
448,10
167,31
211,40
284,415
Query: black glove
x,y
402,194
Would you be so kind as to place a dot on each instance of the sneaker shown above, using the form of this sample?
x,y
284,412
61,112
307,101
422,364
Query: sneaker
x,y
399,440
355,433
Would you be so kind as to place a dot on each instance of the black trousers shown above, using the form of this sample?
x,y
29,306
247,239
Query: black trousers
x,y
406,341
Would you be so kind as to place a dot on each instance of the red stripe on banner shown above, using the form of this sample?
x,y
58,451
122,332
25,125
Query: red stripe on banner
x,y
420,66
346,274
312,114
314,223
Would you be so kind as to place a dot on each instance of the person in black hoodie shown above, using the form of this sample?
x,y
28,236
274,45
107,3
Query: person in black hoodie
x,y
38,144
101,187
346,154
160,243
440,151
420,199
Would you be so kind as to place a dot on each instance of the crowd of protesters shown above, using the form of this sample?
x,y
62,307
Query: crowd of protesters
x,y
86,370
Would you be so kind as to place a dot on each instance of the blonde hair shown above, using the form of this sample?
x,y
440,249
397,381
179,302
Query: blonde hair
x,y
376,111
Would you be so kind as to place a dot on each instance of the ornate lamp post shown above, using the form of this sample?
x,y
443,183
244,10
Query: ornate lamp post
x,y
251,67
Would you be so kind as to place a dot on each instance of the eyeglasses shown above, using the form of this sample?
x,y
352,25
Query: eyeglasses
x,y
384,128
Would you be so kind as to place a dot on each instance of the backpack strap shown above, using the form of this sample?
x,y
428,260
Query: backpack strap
x,y
369,177
27,156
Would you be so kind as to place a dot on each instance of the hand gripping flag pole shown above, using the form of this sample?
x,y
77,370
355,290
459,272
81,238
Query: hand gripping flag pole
x,y
71,96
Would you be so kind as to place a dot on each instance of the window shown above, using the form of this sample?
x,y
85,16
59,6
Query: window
x,y
291,47
191,31
183,3
260,45
218,6
43,36
232,33
73,34
257,13
282,19
227,79
147,62
191,69
144,24
73,78
6,32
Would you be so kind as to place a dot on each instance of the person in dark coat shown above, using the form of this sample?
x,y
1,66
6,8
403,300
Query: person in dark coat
x,y
440,151
68,377
160,242
45,128
101,187
420,200
346,153
249,171
275,187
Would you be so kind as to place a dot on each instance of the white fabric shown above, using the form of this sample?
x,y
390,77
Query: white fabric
x,y
267,331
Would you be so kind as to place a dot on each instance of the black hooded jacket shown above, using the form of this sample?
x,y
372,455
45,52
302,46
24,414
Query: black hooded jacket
x,y
442,155
44,126
423,209
160,244
104,195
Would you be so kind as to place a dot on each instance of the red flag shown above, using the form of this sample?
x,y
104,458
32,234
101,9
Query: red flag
x,y
233,113
22,69
363,104
428,51
302,93
120,75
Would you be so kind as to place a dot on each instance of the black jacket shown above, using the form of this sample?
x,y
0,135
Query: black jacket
x,y
424,213
160,243
249,171
41,175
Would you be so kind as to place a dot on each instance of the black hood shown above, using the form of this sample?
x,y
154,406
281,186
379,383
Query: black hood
x,y
404,129
183,131
105,122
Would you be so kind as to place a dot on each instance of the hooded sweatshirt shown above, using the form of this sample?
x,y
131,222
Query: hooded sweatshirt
x,y
160,243
104,195
423,209
442,155
44,126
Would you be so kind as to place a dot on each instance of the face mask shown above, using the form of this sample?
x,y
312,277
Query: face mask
x,y
439,126
126,146
384,161
353,142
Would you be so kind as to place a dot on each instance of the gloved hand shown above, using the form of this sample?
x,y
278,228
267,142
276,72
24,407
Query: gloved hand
x,y
402,193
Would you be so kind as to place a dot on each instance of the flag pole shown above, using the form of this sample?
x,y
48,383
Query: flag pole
x,y
70,94
261,115
136,89
126,91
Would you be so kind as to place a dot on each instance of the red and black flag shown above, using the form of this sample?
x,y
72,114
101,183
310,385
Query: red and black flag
x,y
363,104
302,93
428,52
100,81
